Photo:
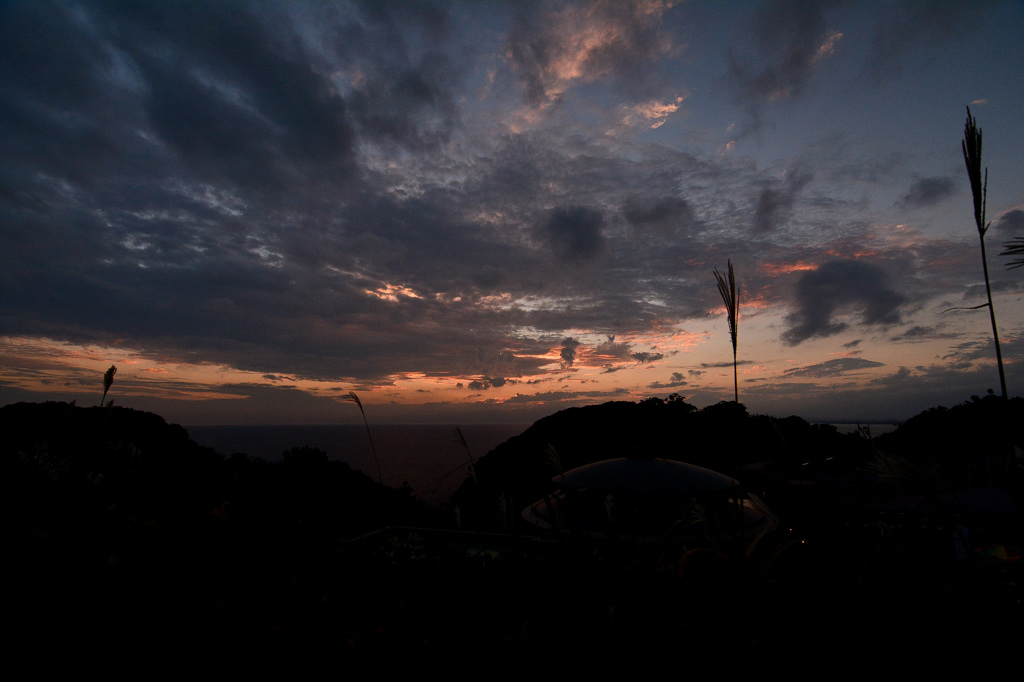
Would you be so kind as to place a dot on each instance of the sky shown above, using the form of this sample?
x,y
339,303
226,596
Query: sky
x,y
492,211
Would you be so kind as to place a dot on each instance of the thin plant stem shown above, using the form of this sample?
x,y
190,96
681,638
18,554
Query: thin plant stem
x,y
353,398
971,145
108,381
731,297
461,440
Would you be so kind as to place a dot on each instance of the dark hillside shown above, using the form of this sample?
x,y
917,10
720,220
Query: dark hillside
x,y
121,529
721,437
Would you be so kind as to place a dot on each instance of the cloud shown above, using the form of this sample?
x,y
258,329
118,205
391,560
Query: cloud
x,y
1010,224
902,377
645,358
775,204
675,381
651,113
832,368
717,365
790,40
838,284
551,48
568,352
920,333
487,382
925,192
574,233
611,349
966,352
669,214
229,100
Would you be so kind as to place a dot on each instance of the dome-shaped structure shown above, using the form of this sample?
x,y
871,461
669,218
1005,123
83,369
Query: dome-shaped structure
x,y
652,475
652,499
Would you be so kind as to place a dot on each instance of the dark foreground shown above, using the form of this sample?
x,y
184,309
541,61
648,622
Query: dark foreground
x,y
123,536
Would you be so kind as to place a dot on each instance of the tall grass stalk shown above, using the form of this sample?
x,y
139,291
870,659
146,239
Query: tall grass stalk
x,y
353,398
979,191
461,440
108,381
731,297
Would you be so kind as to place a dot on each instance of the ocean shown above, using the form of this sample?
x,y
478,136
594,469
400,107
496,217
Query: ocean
x,y
875,429
427,456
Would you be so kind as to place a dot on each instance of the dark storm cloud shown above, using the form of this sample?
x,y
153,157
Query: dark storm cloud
x,y
775,204
928,192
832,368
574,233
839,284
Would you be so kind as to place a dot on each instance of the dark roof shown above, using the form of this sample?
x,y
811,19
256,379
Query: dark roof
x,y
654,475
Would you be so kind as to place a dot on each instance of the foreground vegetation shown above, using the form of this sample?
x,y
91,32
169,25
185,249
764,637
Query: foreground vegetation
x,y
122,530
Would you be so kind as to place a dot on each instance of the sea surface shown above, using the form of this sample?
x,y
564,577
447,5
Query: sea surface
x,y
428,457
873,429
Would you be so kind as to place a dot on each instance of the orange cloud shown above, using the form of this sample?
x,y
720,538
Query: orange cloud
x,y
775,269
654,112
828,47
391,292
